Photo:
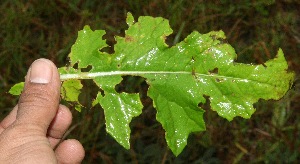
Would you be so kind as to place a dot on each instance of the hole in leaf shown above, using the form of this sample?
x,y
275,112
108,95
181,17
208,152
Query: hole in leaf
x,y
108,49
87,69
110,41
102,93
194,73
205,105
130,84
88,92
169,40
214,71
193,59
75,66
221,40
218,80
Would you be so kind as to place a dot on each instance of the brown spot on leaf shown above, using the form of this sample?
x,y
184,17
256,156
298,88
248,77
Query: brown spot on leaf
x,y
129,38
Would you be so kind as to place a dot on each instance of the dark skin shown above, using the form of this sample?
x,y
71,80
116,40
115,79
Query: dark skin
x,y
32,132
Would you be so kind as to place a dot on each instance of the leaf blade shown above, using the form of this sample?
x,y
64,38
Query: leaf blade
x,y
119,110
179,78
201,64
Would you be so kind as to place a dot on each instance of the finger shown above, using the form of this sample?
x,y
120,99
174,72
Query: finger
x,y
69,151
59,125
9,119
39,100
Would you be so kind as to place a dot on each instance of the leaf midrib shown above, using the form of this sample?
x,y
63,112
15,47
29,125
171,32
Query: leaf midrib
x,y
91,75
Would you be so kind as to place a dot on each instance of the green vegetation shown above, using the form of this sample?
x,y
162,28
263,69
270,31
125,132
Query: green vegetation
x,y
31,30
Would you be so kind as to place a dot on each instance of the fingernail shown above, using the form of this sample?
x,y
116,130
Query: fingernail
x,y
40,72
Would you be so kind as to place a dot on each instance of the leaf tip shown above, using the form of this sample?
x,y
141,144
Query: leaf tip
x,y
280,57
86,27
280,53
129,19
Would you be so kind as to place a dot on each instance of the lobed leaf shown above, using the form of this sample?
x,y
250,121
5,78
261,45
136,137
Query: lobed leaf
x,y
179,78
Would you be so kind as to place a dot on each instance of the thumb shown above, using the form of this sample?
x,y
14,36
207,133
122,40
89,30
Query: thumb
x,y
39,100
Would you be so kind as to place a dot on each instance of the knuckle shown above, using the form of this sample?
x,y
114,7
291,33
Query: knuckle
x,y
36,96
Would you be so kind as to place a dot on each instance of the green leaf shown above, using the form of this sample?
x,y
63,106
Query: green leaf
x,y
119,109
70,90
17,89
177,108
179,77
86,52
130,19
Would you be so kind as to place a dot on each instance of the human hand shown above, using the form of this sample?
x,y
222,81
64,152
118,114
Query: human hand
x,y
36,125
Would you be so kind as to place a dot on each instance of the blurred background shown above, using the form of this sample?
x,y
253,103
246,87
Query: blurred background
x,y
32,29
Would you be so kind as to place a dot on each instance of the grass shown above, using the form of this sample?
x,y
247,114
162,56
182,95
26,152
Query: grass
x,y
256,29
